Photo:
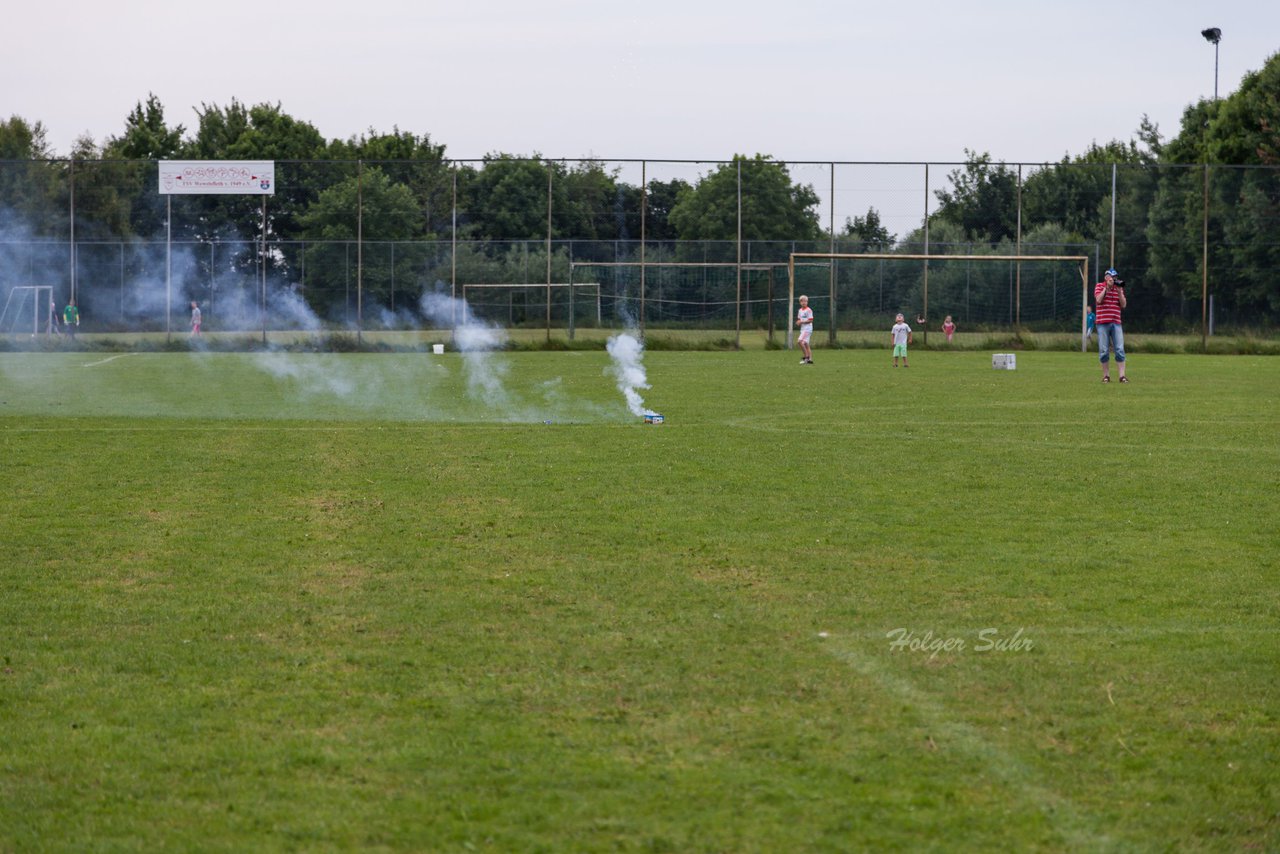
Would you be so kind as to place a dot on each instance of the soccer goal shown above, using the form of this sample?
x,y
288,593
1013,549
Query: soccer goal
x,y
532,297
28,301
980,290
710,295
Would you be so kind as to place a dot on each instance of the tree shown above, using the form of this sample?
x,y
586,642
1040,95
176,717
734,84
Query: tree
x,y
773,208
146,135
28,183
387,212
661,198
595,208
413,161
1244,203
104,191
984,201
261,132
868,233
507,199
146,138
23,140
1075,193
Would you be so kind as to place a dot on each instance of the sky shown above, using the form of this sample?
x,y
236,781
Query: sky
x,y
702,80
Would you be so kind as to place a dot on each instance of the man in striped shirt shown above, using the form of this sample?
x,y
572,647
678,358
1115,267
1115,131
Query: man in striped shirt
x,y
1109,296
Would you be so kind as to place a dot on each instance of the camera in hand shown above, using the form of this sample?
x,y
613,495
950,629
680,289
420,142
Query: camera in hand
x,y
1119,283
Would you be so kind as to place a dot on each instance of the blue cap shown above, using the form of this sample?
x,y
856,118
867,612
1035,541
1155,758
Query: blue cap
x,y
1112,272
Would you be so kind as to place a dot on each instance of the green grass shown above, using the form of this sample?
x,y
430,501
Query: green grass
x,y
321,601
1243,342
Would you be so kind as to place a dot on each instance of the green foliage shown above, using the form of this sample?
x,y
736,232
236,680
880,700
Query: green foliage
x,y
596,216
415,162
868,233
23,140
661,199
388,212
984,199
28,184
146,135
773,208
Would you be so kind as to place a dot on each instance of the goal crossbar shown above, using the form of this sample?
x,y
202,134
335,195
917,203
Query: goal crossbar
x,y
1082,260
536,285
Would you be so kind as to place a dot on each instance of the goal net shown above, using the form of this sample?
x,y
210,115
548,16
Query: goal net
x,y
29,308
719,295
979,292
527,304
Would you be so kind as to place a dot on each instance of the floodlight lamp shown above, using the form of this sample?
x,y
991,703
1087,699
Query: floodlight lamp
x,y
1213,35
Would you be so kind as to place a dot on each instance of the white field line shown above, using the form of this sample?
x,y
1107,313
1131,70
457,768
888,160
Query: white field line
x,y
108,359
1077,830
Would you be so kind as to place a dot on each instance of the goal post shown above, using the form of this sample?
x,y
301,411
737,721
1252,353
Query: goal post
x,y
1080,261
510,288
709,295
42,308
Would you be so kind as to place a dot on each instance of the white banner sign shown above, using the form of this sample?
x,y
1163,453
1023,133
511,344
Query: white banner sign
x,y
218,177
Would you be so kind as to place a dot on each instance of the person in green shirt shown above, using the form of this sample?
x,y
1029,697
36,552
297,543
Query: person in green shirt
x,y
71,318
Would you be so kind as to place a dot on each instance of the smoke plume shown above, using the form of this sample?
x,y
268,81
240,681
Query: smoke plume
x,y
627,353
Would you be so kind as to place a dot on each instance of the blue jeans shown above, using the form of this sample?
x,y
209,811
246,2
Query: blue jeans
x,y
1110,337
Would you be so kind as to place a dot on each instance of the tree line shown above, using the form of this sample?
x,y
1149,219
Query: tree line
x,y
408,190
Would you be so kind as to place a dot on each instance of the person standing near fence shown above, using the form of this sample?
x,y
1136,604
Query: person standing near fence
x,y
804,319
195,318
71,318
1109,295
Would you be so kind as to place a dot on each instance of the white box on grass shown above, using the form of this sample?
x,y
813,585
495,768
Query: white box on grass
x,y
1004,361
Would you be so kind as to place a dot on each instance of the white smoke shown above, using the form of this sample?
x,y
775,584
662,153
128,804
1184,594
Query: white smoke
x,y
476,341
627,353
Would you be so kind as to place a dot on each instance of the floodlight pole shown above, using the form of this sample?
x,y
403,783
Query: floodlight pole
x,y
550,173
832,308
360,250
453,261
1213,35
925,310
737,335
1215,69
1017,323
1204,265
168,265
262,269
71,187
644,209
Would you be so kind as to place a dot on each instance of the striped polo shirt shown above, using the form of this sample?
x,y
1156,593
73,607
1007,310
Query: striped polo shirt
x,y
1108,307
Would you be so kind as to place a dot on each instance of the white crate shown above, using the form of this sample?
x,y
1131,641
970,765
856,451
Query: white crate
x,y
1004,361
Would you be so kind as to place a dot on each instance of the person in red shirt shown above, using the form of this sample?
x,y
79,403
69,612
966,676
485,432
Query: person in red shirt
x,y
1109,296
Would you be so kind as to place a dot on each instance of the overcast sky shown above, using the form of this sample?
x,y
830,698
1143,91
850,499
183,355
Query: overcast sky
x,y
647,79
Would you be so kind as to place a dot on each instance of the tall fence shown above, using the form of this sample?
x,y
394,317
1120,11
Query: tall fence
x,y
563,246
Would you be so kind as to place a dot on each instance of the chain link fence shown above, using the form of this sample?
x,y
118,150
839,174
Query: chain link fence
x,y
569,246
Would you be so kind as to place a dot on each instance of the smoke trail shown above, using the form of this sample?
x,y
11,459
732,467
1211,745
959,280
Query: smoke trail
x,y
627,353
476,340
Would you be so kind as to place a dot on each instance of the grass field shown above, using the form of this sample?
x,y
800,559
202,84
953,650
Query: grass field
x,y
318,601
